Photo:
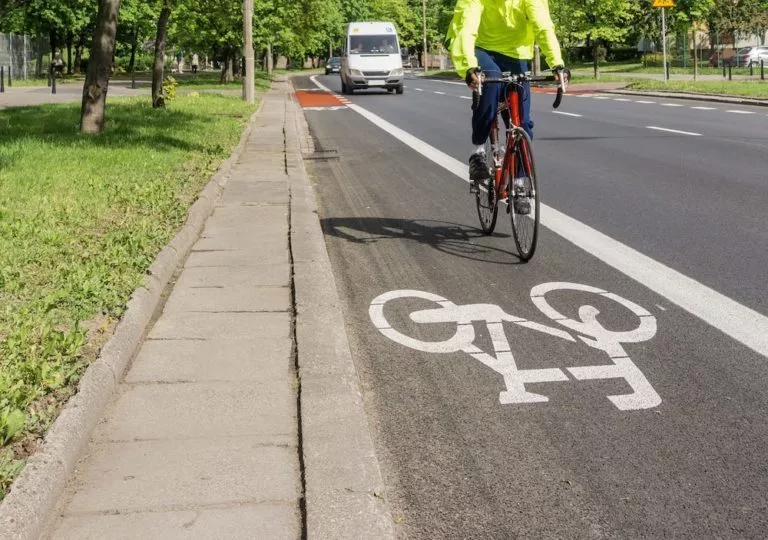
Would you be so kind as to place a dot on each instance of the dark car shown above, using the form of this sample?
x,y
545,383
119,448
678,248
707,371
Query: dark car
x,y
333,65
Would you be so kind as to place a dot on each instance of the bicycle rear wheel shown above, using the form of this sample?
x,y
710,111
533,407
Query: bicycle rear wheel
x,y
524,198
487,197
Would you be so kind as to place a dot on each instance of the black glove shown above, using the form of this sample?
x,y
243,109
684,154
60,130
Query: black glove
x,y
470,71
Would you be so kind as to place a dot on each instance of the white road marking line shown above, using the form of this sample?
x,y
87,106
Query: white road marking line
x,y
704,108
644,101
674,131
741,323
671,105
441,93
465,97
567,113
662,308
447,82
419,89
602,97
735,111
621,99
584,95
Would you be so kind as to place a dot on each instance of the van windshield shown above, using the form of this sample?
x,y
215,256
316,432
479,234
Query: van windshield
x,y
384,44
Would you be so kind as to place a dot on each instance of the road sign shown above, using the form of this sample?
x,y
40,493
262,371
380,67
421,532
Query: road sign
x,y
663,3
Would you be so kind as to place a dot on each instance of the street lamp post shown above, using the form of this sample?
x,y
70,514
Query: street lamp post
x,y
249,81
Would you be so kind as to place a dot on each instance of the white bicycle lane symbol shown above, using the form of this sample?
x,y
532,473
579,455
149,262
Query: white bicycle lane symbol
x,y
587,329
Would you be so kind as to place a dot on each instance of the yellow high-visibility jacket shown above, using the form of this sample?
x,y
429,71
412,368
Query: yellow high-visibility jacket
x,y
509,27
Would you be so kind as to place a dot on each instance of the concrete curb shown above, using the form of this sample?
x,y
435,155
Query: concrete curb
x,y
34,494
691,96
343,484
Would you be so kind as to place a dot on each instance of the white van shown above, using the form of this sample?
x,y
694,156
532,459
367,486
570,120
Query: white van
x,y
371,58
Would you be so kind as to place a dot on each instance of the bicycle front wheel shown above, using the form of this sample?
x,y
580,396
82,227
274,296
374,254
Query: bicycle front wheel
x,y
524,198
487,196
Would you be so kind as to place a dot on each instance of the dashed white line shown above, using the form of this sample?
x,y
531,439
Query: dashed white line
x,y
735,111
465,97
671,105
602,97
621,99
704,108
567,113
441,93
419,89
674,131
644,101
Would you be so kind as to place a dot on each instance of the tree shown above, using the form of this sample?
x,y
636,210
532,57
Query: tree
x,y
158,98
595,21
99,68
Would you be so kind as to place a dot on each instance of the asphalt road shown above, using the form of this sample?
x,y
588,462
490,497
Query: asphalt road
x,y
665,436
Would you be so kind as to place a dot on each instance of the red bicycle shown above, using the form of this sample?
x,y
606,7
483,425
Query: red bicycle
x,y
512,168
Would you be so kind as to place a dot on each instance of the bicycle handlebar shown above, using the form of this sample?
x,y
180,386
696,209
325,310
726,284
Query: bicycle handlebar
x,y
517,78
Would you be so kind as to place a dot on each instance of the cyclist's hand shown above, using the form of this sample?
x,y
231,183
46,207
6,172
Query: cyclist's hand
x,y
562,75
473,78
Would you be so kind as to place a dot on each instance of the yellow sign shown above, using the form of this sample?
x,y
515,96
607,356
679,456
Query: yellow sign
x,y
663,3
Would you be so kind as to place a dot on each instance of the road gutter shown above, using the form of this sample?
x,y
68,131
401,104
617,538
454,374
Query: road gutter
x,y
342,480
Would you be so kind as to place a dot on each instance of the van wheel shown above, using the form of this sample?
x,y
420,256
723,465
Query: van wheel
x,y
399,89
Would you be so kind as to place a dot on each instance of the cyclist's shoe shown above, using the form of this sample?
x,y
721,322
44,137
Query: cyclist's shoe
x,y
521,201
478,171
522,205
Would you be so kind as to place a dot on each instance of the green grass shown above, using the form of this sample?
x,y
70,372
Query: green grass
x,y
81,219
750,89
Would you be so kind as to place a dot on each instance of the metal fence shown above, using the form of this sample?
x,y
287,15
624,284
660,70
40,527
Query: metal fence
x,y
19,55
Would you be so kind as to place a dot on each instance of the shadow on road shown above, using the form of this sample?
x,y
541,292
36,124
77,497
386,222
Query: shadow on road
x,y
451,238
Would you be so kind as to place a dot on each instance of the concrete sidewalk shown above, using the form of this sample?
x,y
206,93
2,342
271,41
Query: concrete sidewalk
x,y
220,428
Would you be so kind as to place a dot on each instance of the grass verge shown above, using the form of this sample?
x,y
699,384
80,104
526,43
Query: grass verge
x,y
81,219
749,89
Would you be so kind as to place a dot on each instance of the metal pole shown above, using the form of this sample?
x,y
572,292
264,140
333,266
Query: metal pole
x,y
10,56
249,81
53,79
424,27
664,41
2,79
25,57
762,70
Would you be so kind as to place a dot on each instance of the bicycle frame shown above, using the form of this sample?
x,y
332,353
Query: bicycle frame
x,y
511,104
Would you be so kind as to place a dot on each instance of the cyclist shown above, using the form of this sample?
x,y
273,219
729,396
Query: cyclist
x,y
492,36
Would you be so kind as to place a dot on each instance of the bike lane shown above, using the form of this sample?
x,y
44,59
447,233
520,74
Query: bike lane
x,y
463,459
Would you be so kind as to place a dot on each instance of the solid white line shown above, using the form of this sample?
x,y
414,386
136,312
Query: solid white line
x,y
739,112
741,323
567,113
441,93
671,105
704,108
674,131
643,101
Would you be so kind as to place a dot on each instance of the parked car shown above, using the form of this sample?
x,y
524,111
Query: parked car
x,y
333,65
751,56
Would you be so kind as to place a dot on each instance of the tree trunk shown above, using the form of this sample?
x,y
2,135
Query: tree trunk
x,y
695,57
134,46
69,53
158,99
596,58
99,68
